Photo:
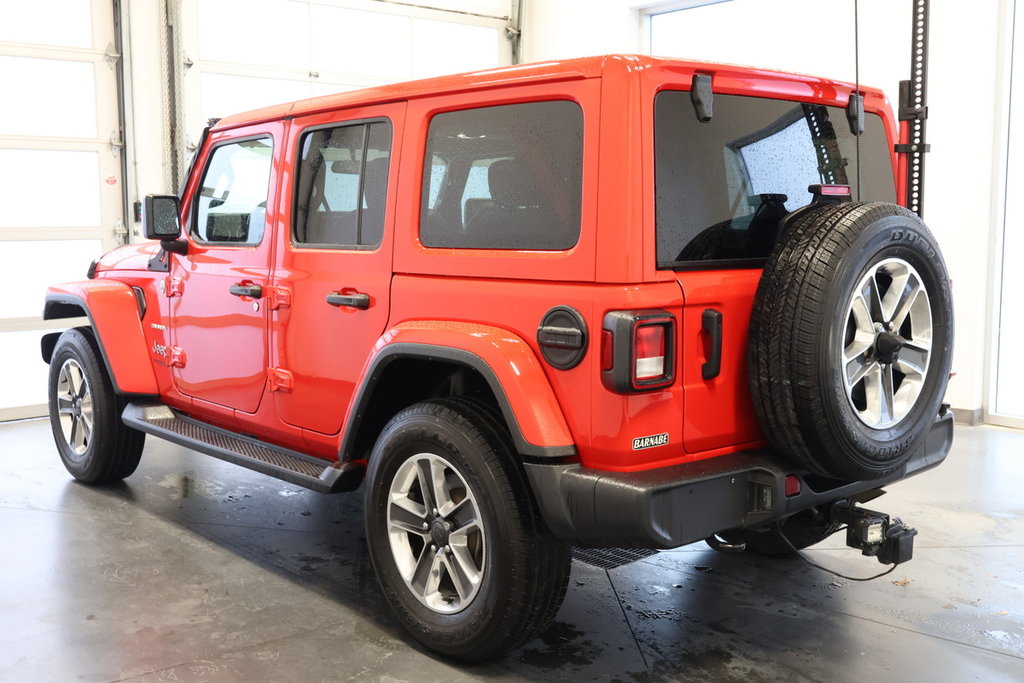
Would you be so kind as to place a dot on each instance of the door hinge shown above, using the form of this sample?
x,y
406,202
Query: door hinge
x,y
279,296
172,286
176,357
279,380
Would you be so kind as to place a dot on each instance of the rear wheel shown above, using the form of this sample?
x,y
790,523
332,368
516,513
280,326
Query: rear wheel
x,y
458,545
85,414
851,339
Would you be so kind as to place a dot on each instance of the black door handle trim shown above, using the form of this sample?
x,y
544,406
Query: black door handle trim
x,y
254,291
711,322
360,301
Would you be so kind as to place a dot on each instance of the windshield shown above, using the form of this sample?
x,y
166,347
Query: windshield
x,y
722,187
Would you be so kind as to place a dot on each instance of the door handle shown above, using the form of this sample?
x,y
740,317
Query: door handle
x,y
360,301
711,322
254,291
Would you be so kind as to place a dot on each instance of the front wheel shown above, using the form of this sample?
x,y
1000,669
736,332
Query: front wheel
x,y
85,413
458,545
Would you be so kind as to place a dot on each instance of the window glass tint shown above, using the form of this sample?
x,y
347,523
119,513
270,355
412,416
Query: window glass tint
x,y
509,177
232,205
722,187
342,185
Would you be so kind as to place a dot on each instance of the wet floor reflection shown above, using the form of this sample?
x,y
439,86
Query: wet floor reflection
x,y
194,568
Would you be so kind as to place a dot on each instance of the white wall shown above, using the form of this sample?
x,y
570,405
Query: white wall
x,y
967,99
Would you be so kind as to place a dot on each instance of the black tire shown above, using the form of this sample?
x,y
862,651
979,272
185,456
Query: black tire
x,y
85,413
805,318
802,530
522,568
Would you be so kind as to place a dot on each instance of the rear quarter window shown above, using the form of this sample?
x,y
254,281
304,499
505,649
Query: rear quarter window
x,y
504,177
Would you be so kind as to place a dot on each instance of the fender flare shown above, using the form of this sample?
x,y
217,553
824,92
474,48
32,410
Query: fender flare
x,y
113,311
506,362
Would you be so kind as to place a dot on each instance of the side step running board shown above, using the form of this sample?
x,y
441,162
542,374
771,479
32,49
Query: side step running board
x,y
291,466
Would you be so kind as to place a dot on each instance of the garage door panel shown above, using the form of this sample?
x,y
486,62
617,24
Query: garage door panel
x,y
477,47
60,170
65,260
64,23
268,32
361,49
48,188
223,94
242,52
50,85
323,87
25,380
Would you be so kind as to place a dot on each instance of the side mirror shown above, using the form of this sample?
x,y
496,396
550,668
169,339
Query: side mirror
x,y
160,217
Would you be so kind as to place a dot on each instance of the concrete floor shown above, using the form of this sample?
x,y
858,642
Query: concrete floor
x,y
196,570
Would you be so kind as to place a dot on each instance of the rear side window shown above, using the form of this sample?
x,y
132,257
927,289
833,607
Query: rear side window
x,y
722,187
232,204
343,185
506,177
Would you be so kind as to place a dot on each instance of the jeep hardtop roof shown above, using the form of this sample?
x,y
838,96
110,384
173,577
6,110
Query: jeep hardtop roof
x,y
735,79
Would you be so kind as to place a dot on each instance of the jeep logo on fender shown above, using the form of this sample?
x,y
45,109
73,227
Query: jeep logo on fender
x,y
643,442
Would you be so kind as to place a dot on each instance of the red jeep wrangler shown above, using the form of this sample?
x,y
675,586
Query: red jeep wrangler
x,y
618,301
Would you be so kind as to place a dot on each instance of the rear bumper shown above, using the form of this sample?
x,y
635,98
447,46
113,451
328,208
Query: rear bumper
x,y
673,506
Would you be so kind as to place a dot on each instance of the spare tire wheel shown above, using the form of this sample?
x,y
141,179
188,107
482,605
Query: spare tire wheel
x,y
851,339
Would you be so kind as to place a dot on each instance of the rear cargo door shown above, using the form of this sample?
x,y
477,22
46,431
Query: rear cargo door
x,y
722,188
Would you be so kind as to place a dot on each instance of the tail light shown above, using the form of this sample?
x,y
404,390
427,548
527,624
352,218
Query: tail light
x,y
638,351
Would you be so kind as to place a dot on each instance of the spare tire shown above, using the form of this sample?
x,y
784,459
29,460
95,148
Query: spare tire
x,y
851,339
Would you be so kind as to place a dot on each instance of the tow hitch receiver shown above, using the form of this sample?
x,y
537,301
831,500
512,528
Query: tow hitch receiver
x,y
875,534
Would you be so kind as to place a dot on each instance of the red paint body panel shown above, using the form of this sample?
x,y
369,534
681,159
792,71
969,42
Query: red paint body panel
x,y
128,257
718,410
114,313
513,362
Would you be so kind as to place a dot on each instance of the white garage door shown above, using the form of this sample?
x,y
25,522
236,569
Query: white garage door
x,y
1008,370
245,54
60,171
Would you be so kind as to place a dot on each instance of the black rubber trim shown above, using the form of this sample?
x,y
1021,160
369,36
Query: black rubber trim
x,y
47,344
140,298
672,506
58,306
430,352
711,323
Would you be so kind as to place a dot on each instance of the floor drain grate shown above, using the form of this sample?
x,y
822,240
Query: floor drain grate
x,y
610,558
